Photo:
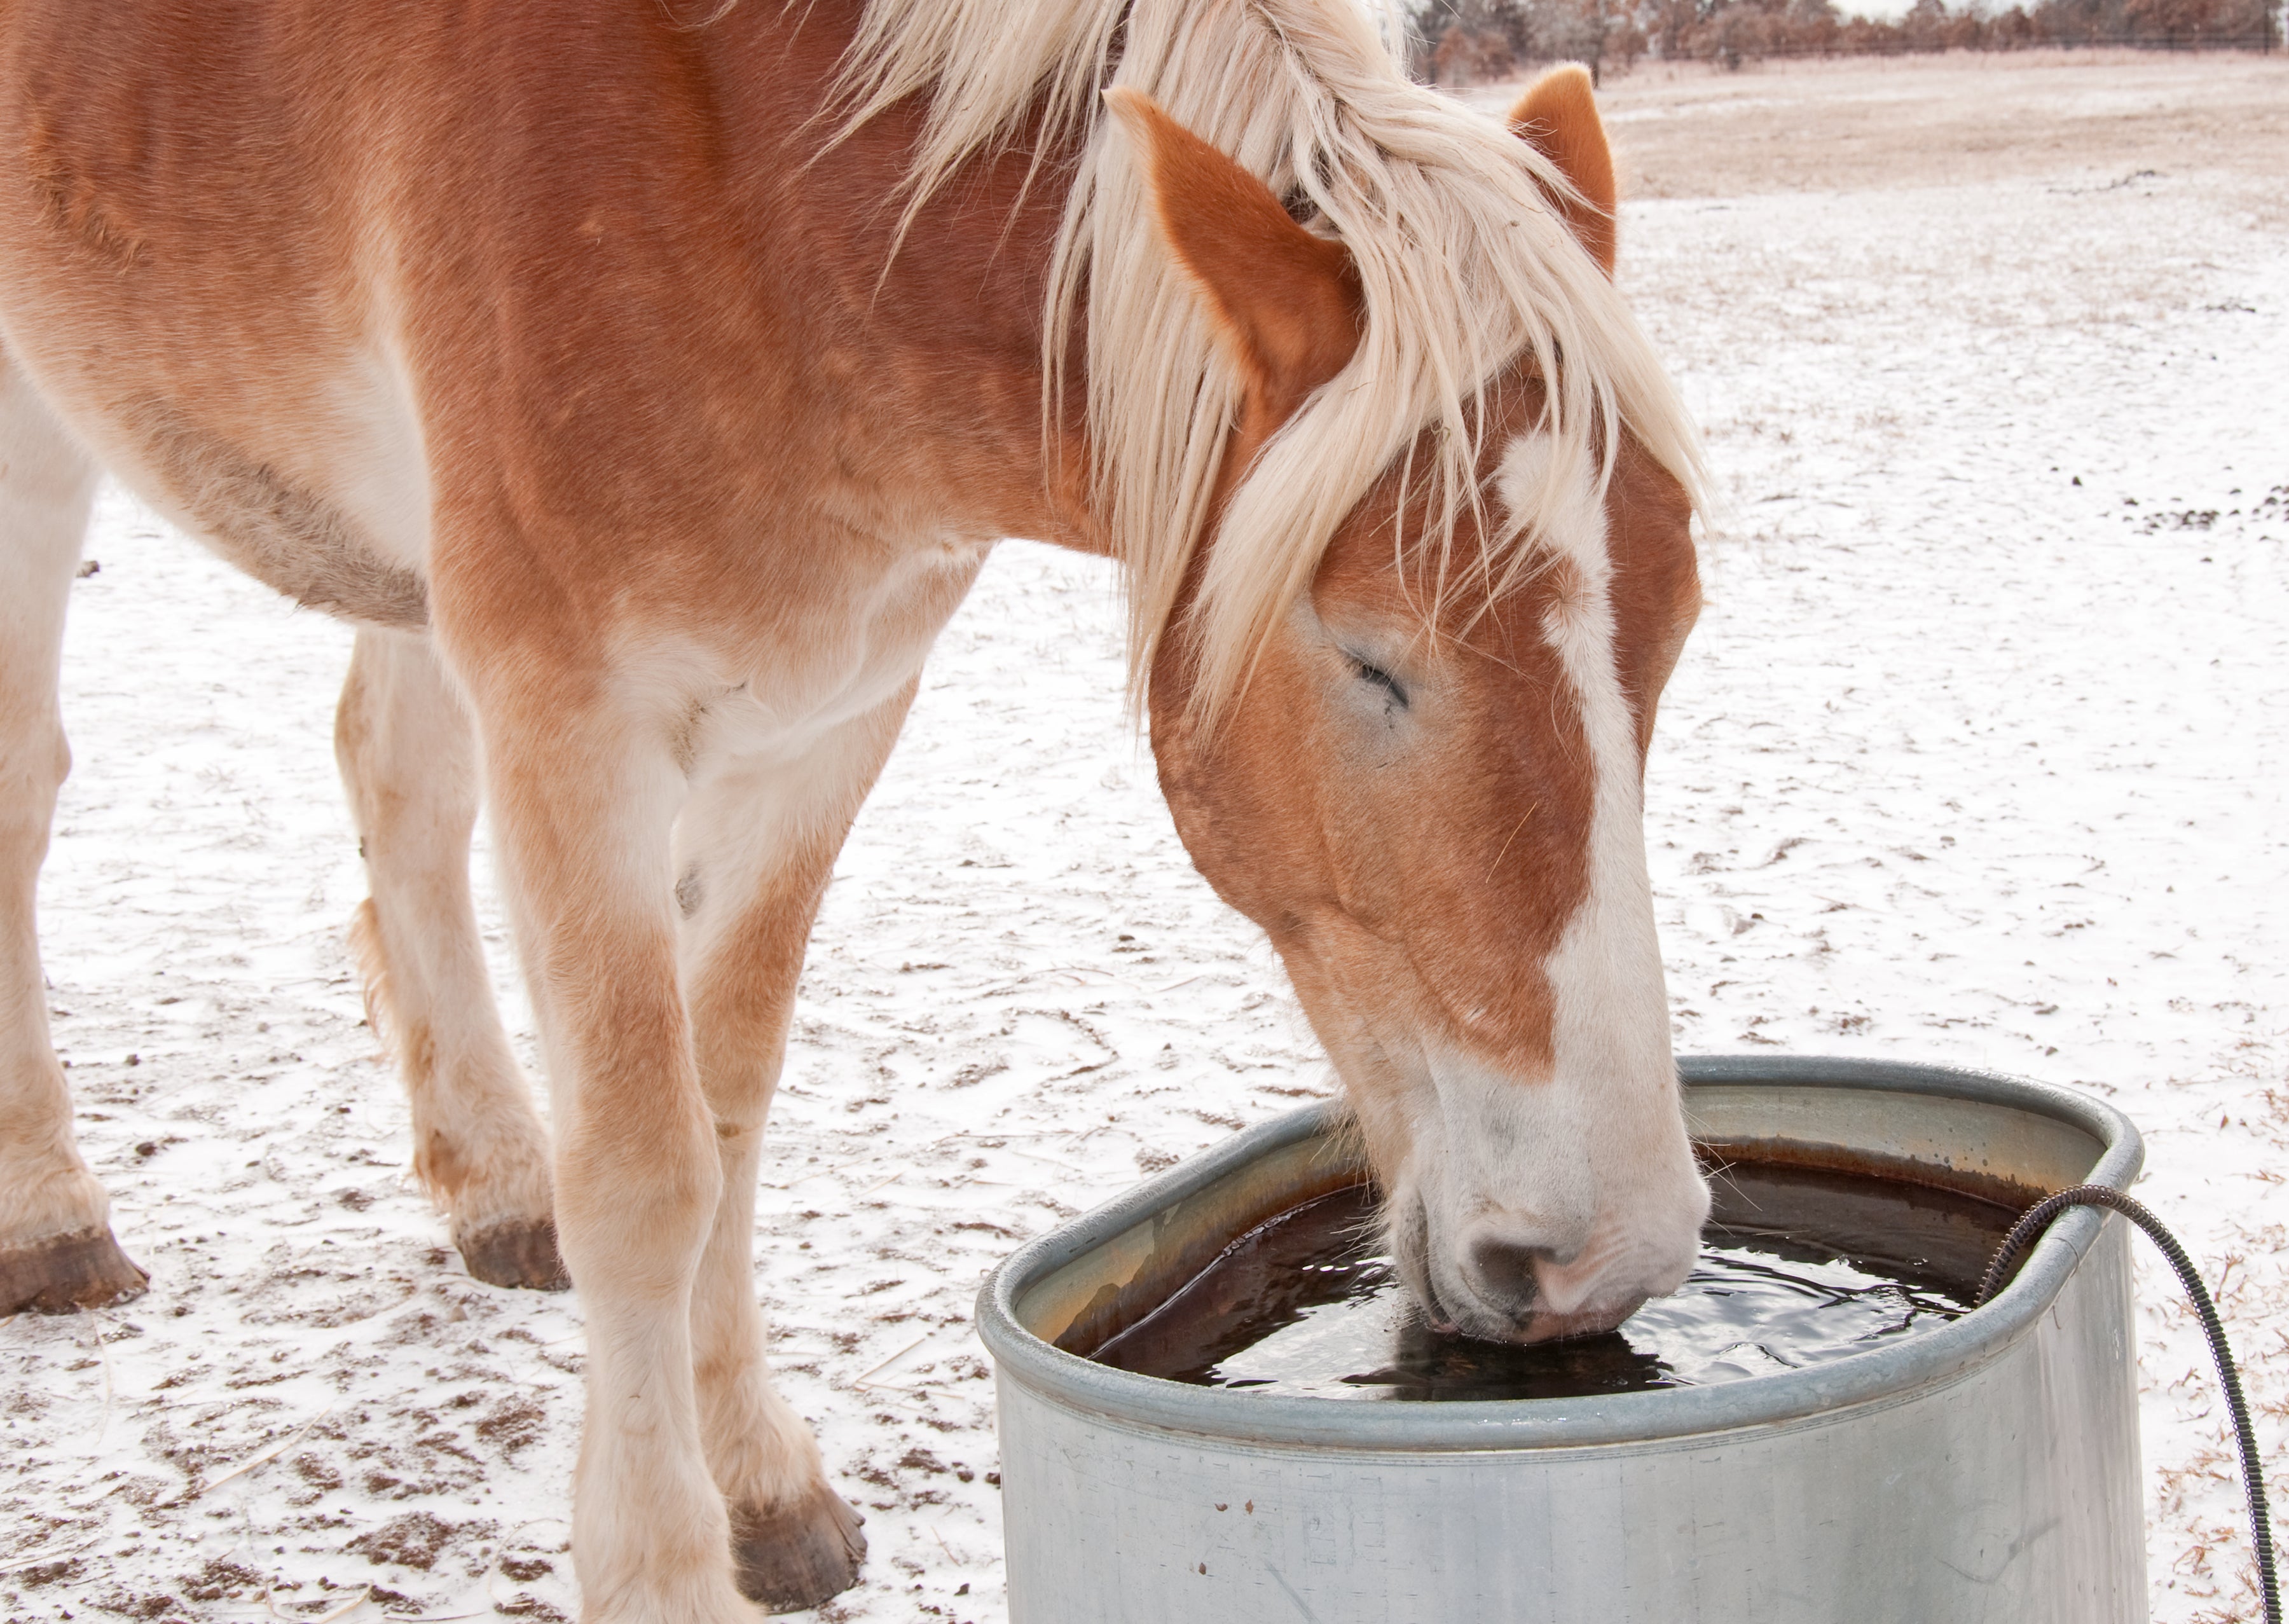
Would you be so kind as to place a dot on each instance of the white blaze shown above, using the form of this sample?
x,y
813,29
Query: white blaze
x,y
1613,1072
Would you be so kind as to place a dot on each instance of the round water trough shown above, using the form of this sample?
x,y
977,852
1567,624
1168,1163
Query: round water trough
x,y
1985,1470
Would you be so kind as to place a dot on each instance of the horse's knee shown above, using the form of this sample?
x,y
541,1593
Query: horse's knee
x,y
35,759
637,1198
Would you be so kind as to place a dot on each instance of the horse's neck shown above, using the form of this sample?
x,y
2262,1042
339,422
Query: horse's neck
x,y
926,344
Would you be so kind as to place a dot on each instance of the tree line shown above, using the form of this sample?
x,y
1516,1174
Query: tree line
x,y
1462,42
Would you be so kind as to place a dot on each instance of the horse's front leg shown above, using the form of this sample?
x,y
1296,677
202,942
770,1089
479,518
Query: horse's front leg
x,y
755,846
409,761
586,782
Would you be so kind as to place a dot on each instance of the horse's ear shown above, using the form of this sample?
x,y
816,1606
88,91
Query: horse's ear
x,y
1559,115
1285,304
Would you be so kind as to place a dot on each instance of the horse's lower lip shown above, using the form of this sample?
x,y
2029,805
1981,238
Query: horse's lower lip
x,y
1435,1312
1557,1327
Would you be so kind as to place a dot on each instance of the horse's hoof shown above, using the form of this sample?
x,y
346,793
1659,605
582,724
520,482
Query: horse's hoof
x,y
798,1556
86,1271
519,1254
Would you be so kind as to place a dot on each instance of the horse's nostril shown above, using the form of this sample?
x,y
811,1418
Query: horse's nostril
x,y
1505,1271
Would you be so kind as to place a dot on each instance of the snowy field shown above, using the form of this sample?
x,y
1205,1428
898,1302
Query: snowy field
x,y
1978,755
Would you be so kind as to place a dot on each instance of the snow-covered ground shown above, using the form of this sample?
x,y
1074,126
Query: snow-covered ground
x,y
1978,755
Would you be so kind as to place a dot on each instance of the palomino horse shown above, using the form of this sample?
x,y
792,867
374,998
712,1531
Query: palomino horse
x,y
648,391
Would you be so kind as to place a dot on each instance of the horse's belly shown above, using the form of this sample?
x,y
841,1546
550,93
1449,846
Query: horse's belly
x,y
328,505
304,538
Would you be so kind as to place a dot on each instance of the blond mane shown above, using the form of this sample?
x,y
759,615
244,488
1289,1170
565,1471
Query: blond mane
x,y
1463,266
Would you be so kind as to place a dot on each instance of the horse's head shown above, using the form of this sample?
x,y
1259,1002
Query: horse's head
x,y
1427,788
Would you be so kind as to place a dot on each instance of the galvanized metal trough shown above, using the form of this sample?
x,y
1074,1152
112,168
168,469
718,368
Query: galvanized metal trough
x,y
1984,1471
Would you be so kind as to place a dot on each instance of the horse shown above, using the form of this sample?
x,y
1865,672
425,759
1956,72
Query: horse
x,y
648,390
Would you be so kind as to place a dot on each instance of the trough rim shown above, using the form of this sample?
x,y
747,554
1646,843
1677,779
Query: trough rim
x,y
1814,1395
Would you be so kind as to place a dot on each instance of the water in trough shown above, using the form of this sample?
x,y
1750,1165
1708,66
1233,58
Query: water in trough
x,y
1798,1266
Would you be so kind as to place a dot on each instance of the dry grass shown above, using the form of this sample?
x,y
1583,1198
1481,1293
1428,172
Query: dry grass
x,y
1859,124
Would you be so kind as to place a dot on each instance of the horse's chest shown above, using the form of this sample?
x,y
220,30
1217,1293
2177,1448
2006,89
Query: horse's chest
x,y
830,657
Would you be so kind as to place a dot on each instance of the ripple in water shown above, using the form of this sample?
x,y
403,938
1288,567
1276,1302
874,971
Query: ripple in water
x,y
1797,1266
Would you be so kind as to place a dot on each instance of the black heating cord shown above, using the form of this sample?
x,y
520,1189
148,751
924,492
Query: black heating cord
x,y
2037,1218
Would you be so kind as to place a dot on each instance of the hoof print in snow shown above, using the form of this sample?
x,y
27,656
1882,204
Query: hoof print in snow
x,y
517,1255
797,1557
86,1271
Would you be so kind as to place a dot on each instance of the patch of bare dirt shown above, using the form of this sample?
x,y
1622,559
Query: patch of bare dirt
x,y
417,1540
223,1580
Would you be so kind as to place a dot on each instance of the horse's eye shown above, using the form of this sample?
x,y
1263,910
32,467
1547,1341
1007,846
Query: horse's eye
x,y
1376,674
